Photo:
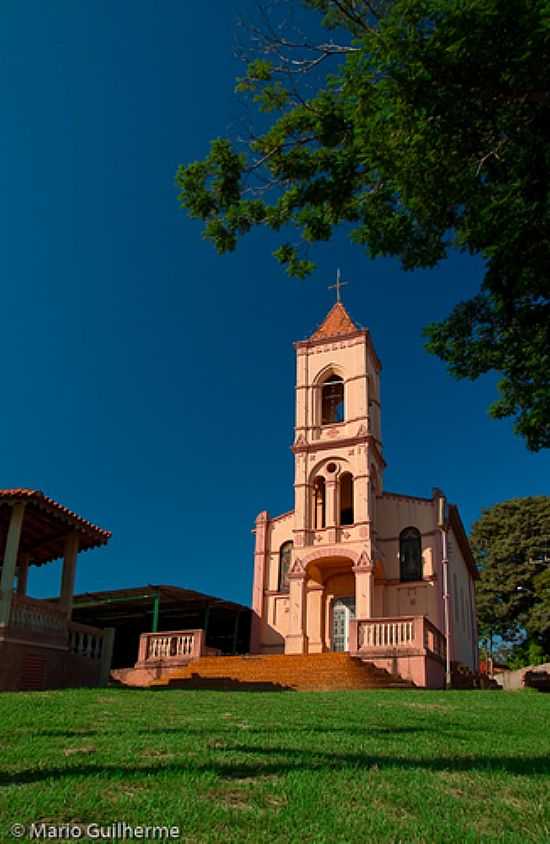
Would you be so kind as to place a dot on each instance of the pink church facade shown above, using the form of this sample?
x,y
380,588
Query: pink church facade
x,y
354,567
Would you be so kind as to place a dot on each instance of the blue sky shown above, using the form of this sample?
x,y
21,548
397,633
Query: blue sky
x,y
148,383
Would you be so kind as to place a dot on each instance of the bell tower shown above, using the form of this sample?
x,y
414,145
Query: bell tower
x,y
337,447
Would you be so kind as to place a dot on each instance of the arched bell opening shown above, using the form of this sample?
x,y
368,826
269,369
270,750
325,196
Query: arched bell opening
x,y
346,499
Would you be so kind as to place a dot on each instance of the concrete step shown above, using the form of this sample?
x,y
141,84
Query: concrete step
x,y
277,671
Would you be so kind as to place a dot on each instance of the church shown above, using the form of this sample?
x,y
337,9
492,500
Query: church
x,y
385,576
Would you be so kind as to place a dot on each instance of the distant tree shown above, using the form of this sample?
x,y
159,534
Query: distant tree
x,y
511,543
420,126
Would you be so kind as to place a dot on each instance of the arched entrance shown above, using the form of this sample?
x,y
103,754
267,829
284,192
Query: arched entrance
x,y
330,589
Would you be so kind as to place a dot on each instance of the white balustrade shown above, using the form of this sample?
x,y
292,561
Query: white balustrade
x,y
405,633
86,641
434,640
173,646
36,616
386,634
164,646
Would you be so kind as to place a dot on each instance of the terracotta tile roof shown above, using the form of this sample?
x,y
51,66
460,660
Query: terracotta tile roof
x,y
41,535
337,323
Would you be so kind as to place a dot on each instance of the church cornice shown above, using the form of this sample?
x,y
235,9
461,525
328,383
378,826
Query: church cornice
x,y
368,440
341,442
348,339
282,516
386,494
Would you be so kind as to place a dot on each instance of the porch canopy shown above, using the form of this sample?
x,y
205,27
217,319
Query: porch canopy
x,y
161,607
35,529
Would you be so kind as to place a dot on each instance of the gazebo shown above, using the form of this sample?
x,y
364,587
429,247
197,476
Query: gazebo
x,y
40,646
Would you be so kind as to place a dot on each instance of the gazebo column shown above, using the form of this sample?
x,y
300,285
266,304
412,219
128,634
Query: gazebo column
x,y
10,560
22,574
296,639
69,572
364,587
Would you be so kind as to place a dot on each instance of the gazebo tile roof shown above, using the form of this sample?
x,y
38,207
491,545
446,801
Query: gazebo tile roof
x,y
41,536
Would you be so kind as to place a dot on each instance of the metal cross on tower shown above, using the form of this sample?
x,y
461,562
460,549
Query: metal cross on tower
x,y
339,284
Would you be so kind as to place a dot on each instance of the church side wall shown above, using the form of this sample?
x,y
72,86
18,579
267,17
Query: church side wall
x,y
394,513
276,607
462,607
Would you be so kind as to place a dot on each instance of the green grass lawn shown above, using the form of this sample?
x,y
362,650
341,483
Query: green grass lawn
x,y
381,766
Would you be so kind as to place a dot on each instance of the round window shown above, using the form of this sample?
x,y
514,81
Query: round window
x,y
331,467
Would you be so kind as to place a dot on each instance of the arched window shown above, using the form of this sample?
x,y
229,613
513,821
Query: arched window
x,y
319,503
332,400
346,499
410,554
285,555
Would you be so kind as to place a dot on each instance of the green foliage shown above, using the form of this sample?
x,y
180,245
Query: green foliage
x,y
427,128
516,655
511,543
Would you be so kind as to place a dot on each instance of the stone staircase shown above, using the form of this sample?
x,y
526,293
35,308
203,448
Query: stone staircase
x,y
313,672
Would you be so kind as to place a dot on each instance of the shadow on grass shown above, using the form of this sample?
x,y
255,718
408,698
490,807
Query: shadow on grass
x,y
221,684
285,760
363,731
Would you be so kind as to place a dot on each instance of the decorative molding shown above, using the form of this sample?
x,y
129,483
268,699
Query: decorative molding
x,y
283,516
386,494
297,569
332,552
333,343
407,584
323,445
396,538
364,563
